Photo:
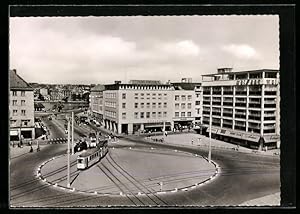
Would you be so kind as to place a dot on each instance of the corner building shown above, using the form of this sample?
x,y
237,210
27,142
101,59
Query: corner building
x,y
137,106
21,108
243,107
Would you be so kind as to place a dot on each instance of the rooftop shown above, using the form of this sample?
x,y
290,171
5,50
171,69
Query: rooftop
x,y
240,72
16,82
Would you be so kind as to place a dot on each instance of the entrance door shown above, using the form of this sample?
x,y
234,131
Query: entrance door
x,y
124,128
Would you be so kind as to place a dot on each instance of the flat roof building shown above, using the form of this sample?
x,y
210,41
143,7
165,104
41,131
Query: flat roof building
x,y
243,107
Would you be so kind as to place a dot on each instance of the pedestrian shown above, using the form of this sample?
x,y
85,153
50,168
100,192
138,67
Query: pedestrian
x,y
31,149
192,142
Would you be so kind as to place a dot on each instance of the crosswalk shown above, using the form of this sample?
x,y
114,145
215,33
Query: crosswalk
x,y
57,140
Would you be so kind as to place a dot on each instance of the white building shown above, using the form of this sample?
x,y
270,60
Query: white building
x,y
243,106
21,108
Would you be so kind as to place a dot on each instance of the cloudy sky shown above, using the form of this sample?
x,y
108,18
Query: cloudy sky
x,y
85,50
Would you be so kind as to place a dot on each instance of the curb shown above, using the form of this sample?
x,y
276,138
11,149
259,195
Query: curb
x,y
186,188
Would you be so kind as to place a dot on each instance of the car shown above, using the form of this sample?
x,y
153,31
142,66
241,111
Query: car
x,y
81,145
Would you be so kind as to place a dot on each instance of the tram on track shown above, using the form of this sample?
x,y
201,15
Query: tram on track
x,y
92,156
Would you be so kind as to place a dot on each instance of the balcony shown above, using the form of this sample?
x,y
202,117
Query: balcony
x,y
227,92
206,112
270,102
216,103
270,93
250,117
253,126
251,105
227,103
227,115
269,118
254,93
240,104
270,105
241,93
206,103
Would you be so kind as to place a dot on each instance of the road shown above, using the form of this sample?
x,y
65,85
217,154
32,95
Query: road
x,y
243,177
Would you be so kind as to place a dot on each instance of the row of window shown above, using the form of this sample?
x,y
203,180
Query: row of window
x,y
110,95
142,105
189,105
15,93
142,115
183,97
15,112
111,114
182,114
110,104
23,122
15,102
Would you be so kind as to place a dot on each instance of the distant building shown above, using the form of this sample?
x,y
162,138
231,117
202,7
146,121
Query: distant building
x,y
44,91
244,106
21,108
39,107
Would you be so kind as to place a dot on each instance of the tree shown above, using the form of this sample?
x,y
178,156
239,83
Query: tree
x,y
41,97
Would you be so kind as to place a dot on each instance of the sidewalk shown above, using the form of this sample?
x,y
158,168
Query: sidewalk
x,y
269,200
16,151
196,140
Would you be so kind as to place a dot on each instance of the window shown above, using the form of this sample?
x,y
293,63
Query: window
x,y
182,114
14,103
198,110
153,96
136,105
183,105
189,97
159,105
23,112
165,105
159,96
189,105
124,115
22,102
147,114
123,105
176,105
142,105
148,105
142,114
159,114
15,112
197,102
176,114
124,96
153,114
189,114
136,115
176,97
153,105
25,122
14,93
13,122
23,93
183,98
165,114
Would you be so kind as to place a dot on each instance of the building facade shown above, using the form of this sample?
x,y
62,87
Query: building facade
x,y
144,105
21,108
243,107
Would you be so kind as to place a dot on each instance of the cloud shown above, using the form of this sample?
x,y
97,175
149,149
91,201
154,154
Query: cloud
x,y
242,51
182,48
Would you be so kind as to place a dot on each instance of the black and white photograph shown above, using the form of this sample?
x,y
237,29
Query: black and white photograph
x,y
144,111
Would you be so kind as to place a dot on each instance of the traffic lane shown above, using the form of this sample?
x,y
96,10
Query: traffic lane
x,y
56,132
243,177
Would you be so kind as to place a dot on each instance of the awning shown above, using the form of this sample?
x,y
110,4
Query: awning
x,y
155,125
271,138
14,133
251,137
230,133
213,130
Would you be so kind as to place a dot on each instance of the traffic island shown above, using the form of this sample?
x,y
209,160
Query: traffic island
x,y
131,170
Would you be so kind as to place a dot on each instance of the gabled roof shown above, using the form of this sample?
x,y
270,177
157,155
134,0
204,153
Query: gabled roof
x,y
16,82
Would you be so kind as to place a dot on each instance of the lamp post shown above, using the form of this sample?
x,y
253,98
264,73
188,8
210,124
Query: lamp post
x,y
210,121
72,133
68,152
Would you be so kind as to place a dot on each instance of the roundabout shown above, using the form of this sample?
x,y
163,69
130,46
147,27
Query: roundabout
x,y
131,171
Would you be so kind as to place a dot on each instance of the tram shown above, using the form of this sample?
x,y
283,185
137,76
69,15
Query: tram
x,y
92,156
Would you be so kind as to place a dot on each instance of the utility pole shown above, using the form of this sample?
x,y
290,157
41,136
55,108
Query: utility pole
x,y
72,133
68,168
210,121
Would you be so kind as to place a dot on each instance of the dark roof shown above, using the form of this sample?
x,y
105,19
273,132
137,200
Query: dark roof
x,y
185,86
17,83
98,88
38,105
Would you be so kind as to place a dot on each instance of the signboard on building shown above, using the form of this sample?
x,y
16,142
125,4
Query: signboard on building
x,y
249,82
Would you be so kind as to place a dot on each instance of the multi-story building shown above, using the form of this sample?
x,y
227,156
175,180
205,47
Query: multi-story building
x,y
243,107
145,105
186,103
96,101
21,108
